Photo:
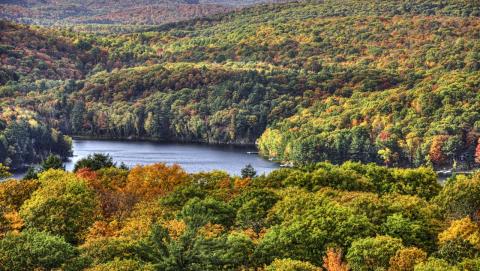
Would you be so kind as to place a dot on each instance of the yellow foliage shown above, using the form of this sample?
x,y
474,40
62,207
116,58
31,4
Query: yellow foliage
x,y
101,229
175,228
139,222
465,229
405,259
16,222
211,230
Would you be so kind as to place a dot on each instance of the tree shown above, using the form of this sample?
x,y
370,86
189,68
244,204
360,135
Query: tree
x,y
461,197
197,213
412,232
436,152
333,261
464,229
387,155
63,205
122,265
31,174
152,181
77,116
433,264
248,172
34,250
406,258
94,162
13,193
238,252
456,250
52,162
291,265
104,249
253,207
307,231
4,171
372,253
477,152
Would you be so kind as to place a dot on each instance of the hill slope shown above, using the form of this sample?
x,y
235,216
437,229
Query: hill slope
x,y
148,12
385,81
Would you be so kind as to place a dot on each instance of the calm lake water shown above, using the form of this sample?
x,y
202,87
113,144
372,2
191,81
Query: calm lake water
x,y
192,157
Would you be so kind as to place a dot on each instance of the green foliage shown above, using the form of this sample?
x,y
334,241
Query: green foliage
x,y
461,197
248,171
379,82
32,249
195,252
25,140
306,236
333,80
52,162
200,222
122,265
31,174
355,176
291,265
63,206
434,264
4,171
94,161
456,250
253,207
470,264
197,212
372,253
105,250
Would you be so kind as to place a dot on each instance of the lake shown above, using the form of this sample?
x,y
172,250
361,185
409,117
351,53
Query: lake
x,y
192,157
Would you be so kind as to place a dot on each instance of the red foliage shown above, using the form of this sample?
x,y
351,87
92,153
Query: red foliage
x,y
477,152
436,153
87,174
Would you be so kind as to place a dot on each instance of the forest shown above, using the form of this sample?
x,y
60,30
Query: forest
x,y
320,217
364,99
118,12
391,82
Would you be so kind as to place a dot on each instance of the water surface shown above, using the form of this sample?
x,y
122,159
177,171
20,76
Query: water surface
x,y
192,157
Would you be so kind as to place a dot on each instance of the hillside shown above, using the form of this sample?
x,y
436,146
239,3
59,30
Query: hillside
x,y
389,82
145,12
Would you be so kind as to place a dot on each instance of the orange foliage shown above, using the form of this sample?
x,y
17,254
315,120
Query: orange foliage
x,y
150,182
225,184
256,237
239,184
86,174
15,221
102,229
436,154
333,261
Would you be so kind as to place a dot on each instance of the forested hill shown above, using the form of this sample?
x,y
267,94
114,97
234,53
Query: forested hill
x,y
144,12
392,82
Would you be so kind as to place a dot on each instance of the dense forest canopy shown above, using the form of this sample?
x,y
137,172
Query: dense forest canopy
x,y
321,217
108,12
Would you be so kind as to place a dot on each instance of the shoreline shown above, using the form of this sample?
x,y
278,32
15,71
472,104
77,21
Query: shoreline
x,y
157,140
